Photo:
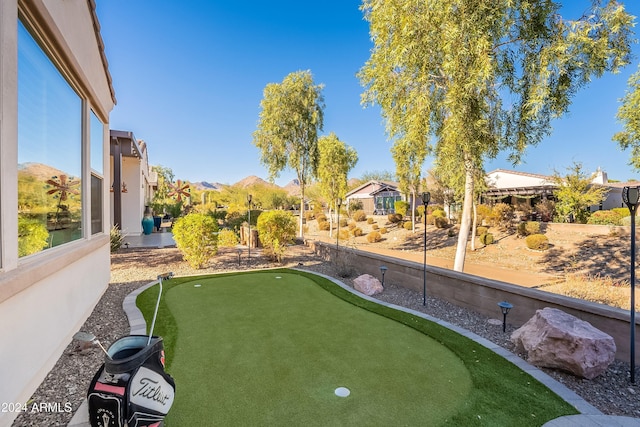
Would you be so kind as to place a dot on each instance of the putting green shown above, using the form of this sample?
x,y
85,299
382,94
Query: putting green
x,y
270,348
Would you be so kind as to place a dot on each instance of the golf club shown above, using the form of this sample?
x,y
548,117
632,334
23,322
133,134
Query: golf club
x,y
89,337
161,277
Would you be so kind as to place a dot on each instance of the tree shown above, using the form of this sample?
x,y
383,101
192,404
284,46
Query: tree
x,y
287,134
469,79
629,115
576,193
276,230
336,160
409,158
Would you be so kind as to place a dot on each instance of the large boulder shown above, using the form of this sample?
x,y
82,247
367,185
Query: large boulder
x,y
555,339
367,284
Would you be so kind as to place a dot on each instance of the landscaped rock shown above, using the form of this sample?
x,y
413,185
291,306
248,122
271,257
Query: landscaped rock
x,y
555,339
367,284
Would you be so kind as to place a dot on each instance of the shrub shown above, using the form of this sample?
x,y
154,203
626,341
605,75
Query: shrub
x,y
420,211
622,212
359,216
522,229
439,213
408,225
356,232
320,217
374,226
441,222
352,225
430,219
196,237
452,232
383,230
369,220
115,236
394,218
227,238
546,209
484,213
343,234
538,242
481,230
401,207
343,222
308,215
355,205
374,237
324,226
276,230
502,215
605,218
486,239
532,227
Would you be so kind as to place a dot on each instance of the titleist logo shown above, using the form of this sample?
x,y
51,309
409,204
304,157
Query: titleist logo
x,y
150,389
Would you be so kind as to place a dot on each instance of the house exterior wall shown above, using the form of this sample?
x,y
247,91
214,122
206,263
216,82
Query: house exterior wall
x,y
46,297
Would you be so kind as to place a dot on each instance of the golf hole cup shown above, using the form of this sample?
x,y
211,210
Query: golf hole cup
x,y
131,386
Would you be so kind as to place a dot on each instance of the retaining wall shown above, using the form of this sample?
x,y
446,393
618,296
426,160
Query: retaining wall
x,y
482,295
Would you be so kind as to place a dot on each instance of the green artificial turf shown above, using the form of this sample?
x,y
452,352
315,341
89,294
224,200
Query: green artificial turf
x,y
254,349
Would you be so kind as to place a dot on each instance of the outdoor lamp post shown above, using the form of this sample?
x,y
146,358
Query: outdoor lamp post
x,y
505,307
239,255
338,204
630,196
426,196
383,269
249,237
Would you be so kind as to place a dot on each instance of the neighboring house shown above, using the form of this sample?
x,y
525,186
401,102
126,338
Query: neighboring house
x,y
55,100
511,186
133,178
377,197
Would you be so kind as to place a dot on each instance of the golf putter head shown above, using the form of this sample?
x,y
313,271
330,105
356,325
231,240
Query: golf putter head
x,y
165,276
89,337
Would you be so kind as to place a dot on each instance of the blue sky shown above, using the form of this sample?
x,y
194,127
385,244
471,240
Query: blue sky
x,y
189,77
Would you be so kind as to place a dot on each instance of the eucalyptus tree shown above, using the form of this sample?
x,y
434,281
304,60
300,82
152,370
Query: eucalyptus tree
x,y
291,118
629,116
576,192
409,158
471,78
336,160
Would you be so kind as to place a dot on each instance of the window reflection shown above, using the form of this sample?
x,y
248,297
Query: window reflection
x,y
49,152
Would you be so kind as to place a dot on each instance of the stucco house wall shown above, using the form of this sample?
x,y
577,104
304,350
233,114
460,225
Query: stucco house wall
x,y
45,297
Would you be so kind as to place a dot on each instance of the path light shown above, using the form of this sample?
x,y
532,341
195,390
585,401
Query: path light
x,y
505,307
239,255
383,270
630,196
426,196
338,204
249,237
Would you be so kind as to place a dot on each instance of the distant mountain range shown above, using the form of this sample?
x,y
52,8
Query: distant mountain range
x,y
292,188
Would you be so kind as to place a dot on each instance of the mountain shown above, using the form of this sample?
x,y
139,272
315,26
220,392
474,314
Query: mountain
x,y
41,171
253,180
293,188
204,185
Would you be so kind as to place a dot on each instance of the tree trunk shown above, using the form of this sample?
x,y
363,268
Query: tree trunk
x,y
301,210
330,221
412,206
475,225
465,222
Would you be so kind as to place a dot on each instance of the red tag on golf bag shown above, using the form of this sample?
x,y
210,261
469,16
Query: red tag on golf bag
x,y
132,385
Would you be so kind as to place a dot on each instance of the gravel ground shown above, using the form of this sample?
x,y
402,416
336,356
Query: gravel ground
x,y
68,381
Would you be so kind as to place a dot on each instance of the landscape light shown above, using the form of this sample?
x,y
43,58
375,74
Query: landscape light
x,y
504,307
426,197
383,269
630,196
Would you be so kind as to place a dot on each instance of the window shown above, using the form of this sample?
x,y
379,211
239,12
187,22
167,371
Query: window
x,y
49,152
97,164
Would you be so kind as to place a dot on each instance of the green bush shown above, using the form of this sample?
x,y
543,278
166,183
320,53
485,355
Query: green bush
x,y
439,213
276,230
359,216
486,239
527,228
401,207
622,212
227,238
538,242
383,230
369,220
374,237
441,222
522,229
420,211
481,230
324,226
605,218
196,237
115,236
32,236
356,232
484,213
408,225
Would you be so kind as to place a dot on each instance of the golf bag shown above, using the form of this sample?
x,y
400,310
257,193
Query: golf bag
x,y
131,388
